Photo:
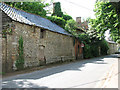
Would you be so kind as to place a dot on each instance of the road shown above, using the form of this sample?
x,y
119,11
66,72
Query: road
x,y
81,74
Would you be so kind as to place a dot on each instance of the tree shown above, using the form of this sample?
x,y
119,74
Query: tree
x,y
31,7
93,35
106,19
67,17
57,10
117,6
71,27
58,17
58,20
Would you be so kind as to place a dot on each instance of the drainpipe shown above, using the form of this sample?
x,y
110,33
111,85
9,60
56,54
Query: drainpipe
x,y
6,53
82,51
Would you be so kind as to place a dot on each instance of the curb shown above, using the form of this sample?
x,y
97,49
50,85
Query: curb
x,y
106,78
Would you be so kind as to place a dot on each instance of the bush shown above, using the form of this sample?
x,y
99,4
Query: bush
x,y
87,51
90,50
70,26
57,10
118,41
20,61
66,17
94,50
84,37
104,47
58,20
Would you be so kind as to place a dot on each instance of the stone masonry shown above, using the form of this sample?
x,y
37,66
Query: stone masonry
x,y
41,46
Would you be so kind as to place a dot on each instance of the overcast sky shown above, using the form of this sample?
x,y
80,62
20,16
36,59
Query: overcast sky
x,y
77,8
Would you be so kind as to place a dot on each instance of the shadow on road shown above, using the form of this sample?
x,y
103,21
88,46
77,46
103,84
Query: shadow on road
x,y
20,84
22,81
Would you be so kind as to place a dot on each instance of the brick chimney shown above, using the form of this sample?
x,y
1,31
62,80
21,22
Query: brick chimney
x,y
86,25
54,7
78,20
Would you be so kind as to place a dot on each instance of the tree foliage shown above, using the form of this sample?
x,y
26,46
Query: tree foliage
x,y
104,47
67,17
70,26
20,61
58,17
57,10
58,20
94,46
38,8
83,37
106,19
31,7
93,35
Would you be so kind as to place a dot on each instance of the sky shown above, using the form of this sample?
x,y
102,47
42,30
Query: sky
x,y
77,8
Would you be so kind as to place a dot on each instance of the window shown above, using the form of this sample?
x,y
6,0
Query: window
x,y
42,33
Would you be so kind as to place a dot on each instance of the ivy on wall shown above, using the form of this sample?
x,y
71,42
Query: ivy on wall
x,y
20,61
8,29
57,10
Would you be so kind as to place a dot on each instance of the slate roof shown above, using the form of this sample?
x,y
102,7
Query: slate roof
x,y
31,19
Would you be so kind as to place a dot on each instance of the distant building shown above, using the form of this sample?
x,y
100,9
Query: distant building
x,y
113,47
82,25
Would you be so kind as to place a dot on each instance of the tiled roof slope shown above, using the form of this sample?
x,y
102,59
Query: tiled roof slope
x,y
31,19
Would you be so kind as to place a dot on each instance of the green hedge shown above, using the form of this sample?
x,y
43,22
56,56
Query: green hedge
x,y
92,50
104,47
58,20
87,51
20,61
66,17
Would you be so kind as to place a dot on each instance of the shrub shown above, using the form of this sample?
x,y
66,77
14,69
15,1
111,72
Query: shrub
x,y
84,37
104,47
94,50
57,10
90,50
70,26
20,61
87,51
66,17
58,20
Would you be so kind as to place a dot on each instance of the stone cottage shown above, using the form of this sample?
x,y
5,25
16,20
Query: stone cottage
x,y
113,47
44,42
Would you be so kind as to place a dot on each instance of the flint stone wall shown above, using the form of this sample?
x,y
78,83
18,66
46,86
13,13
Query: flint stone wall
x,y
55,46
38,51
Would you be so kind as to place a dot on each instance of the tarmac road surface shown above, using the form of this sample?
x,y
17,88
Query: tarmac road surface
x,y
81,74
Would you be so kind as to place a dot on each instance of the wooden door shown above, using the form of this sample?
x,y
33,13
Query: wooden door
x,y
41,55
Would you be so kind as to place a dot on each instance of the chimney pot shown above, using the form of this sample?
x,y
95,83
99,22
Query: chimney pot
x,y
78,20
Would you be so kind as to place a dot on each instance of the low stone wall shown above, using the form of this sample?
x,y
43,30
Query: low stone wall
x,y
112,48
60,58
58,46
